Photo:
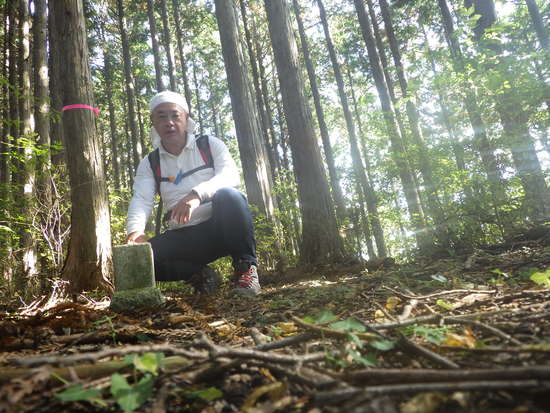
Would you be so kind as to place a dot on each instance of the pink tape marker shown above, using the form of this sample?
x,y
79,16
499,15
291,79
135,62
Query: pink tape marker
x,y
81,106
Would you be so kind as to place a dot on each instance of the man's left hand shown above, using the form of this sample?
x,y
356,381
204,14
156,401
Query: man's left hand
x,y
183,210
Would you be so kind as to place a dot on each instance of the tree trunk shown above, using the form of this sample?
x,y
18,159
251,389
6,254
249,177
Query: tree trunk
x,y
442,232
154,42
88,262
481,141
538,24
41,93
267,133
181,52
384,64
253,155
329,156
26,171
108,64
168,45
514,120
56,128
129,82
370,194
197,97
4,111
321,241
423,239
358,167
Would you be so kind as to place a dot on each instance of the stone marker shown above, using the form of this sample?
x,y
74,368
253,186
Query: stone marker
x,y
134,278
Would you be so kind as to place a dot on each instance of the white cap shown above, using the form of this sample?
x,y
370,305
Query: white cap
x,y
168,97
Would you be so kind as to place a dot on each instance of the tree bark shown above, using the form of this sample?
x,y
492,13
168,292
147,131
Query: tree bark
x,y
416,213
88,262
443,232
129,84
181,52
26,171
321,241
108,64
154,42
538,24
41,93
252,151
514,119
329,156
56,128
480,140
197,97
168,45
267,133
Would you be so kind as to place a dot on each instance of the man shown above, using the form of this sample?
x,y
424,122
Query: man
x,y
208,218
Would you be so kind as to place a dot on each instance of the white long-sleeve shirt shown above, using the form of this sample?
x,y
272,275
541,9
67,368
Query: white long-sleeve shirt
x,y
204,182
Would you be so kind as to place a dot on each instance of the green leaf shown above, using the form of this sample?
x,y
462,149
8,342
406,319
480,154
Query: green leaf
x,y
309,320
4,228
209,394
130,397
326,316
444,304
356,340
369,361
349,324
382,345
440,278
77,393
149,362
541,278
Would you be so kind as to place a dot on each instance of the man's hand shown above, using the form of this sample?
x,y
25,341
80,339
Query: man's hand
x,y
136,237
183,210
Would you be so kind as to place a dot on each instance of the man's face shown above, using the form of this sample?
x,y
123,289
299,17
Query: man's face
x,y
170,121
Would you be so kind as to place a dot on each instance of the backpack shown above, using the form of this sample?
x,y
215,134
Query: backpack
x,y
154,161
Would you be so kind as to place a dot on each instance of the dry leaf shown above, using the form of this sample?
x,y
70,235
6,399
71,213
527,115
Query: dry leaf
x,y
423,403
392,302
467,339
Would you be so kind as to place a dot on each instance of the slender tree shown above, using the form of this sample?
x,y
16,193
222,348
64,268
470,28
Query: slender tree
x,y
181,52
514,118
252,151
358,167
423,238
327,147
168,45
129,84
321,241
155,44
88,262
471,102
538,24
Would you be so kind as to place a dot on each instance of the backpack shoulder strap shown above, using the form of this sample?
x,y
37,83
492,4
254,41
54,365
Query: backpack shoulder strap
x,y
204,147
154,161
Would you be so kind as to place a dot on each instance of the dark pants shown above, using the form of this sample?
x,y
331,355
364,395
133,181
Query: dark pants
x,y
180,253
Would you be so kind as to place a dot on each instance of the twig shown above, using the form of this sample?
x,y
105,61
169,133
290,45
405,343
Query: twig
x,y
217,351
63,360
258,337
384,311
439,294
485,327
328,332
407,310
410,346
522,349
336,396
403,376
285,342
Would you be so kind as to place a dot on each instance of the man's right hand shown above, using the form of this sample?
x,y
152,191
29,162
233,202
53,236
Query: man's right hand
x,y
136,238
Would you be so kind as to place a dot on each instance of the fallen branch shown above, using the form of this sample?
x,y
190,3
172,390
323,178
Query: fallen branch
x,y
402,376
409,346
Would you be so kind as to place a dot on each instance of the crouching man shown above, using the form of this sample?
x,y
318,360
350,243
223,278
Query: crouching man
x,y
208,218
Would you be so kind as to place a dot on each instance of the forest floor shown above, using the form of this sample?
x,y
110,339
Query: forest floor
x,y
465,334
